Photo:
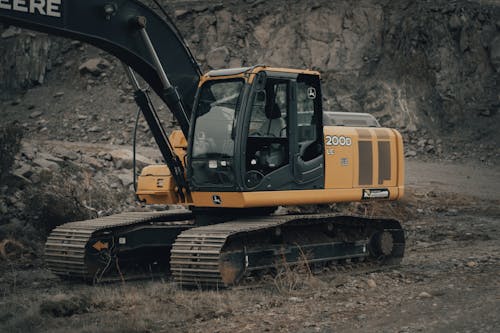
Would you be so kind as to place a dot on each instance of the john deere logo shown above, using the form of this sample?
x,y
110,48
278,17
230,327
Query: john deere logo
x,y
216,199
38,7
311,93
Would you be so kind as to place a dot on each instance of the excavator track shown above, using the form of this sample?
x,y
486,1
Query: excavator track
x,y
106,247
223,254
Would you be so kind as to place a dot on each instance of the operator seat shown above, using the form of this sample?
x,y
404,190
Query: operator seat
x,y
273,125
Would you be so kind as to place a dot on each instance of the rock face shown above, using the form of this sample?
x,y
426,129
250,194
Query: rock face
x,y
24,58
408,63
413,64
41,189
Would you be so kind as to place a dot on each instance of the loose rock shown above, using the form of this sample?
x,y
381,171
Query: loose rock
x,y
424,294
94,129
94,66
36,114
371,283
471,264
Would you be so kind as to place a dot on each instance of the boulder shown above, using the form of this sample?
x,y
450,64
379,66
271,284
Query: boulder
x,y
123,159
218,58
47,161
92,162
181,13
94,66
24,171
126,178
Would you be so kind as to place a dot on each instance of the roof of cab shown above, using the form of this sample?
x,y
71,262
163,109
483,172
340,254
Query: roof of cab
x,y
256,69
350,119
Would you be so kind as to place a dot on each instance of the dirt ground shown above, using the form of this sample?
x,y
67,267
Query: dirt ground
x,y
448,282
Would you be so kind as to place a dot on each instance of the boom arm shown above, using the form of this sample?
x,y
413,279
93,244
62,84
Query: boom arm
x,y
126,29
137,36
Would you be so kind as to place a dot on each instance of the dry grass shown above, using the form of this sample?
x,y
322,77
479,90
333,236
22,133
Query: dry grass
x,y
128,307
63,305
293,279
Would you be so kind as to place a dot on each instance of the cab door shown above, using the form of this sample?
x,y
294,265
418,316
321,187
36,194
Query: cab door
x,y
283,146
266,151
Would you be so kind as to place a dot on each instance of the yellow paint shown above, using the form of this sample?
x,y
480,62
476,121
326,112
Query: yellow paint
x,y
206,78
156,185
285,70
179,143
177,139
400,162
100,245
282,198
394,162
375,157
249,76
338,175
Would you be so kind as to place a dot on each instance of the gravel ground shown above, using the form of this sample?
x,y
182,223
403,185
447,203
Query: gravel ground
x,y
448,281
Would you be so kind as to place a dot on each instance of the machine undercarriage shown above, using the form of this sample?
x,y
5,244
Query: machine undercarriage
x,y
139,245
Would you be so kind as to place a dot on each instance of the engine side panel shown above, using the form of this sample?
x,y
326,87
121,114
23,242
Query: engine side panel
x,y
285,198
363,158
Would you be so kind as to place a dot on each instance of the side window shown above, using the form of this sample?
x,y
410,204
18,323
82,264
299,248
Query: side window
x,y
306,121
269,110
258,113
267,147
308,118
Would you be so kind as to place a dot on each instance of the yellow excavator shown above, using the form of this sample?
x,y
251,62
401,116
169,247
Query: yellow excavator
x,y
251,139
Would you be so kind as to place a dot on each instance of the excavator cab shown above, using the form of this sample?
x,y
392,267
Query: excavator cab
x,y
256,129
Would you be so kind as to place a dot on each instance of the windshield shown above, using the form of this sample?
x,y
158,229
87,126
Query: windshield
x,y
215,118
213,141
